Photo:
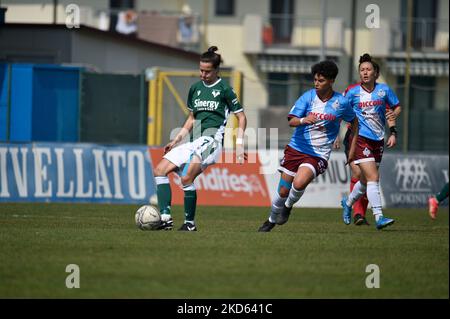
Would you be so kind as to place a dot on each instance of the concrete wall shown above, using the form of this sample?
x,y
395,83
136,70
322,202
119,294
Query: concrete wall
x,y
101,50
112,56
41,11
39,45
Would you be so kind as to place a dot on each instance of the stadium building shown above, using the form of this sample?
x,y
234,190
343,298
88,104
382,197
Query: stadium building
x,y
274,44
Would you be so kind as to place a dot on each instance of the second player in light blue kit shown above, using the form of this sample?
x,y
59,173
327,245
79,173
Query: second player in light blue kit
x,y
372,102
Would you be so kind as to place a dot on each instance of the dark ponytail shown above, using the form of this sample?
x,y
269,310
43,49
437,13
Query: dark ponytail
x,y
212,57
367,58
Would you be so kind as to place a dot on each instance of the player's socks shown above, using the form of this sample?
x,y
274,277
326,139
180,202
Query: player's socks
x,y
374,196
294,197
360,206
277,207
443,194
358,190
377,217
190,202
164,194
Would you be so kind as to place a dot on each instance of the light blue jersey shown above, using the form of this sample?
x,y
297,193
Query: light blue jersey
x,y
370,107
317,139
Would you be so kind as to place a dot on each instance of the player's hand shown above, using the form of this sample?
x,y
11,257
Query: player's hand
x,y
310,119
390,115
392,141
337,143
241,155
169,147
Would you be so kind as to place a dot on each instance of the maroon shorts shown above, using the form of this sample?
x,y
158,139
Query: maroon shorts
x,y
368,150
293,159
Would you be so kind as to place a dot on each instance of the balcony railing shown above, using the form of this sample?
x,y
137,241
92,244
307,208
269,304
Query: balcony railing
x,y
428,35
306,32
296,32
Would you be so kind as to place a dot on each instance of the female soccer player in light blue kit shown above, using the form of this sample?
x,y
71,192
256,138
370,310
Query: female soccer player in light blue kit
x,y
316,117
370,100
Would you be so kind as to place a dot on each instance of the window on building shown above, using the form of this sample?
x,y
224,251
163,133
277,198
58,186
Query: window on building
x,y
282,19
421,92
224,7
121,4
428,127
278,89
284,88
424,22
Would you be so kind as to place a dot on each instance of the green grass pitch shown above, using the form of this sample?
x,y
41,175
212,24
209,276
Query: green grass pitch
x,y
314,255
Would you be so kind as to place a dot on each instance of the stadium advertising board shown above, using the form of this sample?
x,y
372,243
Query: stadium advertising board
x,y
224,184
50,172
405,181
409,180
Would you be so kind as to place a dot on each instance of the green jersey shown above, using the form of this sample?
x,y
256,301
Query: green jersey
x,y
211,105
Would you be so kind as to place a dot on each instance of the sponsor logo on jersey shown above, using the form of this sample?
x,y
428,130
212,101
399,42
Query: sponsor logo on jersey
x,y
215,93
206,105
335,105
324,116
199,92
381,93
370,103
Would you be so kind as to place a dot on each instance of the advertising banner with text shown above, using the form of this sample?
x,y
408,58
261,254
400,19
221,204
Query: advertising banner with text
x,y
405,180
224,183
409,180
52,172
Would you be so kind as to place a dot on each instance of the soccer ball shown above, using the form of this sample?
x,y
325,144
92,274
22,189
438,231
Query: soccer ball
x,y
147,217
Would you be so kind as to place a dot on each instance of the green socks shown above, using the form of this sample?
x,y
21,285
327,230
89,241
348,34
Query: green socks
x,y
164,194
443,193
190,203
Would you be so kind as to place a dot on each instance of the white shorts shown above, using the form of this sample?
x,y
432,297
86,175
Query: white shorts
x,y
206,148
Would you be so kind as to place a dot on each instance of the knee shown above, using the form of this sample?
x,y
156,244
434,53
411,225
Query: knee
x,y
162,169
186,180
159,171
375,177
297,185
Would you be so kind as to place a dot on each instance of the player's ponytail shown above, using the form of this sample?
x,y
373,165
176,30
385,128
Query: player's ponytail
x,y
211,56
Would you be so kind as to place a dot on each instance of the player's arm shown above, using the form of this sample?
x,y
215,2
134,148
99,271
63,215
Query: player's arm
x,y
298,121
296,116
354,128
187,127
242,125
391,116
337,141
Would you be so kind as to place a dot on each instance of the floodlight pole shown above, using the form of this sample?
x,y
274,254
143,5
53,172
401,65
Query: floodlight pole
x,y
55,11
353,42
205,25
407,76
323,33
